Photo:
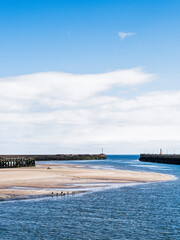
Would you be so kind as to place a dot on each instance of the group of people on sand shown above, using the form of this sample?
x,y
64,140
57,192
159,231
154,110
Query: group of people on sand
x,y
61,194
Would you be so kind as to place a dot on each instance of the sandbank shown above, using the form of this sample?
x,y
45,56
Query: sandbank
x,y
48,180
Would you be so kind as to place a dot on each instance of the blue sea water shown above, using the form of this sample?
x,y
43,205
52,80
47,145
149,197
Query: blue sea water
x,y
145,211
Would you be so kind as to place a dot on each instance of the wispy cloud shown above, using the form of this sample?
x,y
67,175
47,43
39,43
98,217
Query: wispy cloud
x,y
123,35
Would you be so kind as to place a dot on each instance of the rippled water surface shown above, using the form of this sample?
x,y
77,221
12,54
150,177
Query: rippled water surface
x,y
145,211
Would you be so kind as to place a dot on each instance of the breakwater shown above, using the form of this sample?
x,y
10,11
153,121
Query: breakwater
x,y
7,161
161,158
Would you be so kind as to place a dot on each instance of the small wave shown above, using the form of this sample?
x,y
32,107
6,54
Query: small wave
x,y
152,166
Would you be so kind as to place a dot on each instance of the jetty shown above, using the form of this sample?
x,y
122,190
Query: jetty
x,y
13,162
8,161
161,158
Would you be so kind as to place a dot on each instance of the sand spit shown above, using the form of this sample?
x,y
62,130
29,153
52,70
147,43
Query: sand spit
x,y
48,180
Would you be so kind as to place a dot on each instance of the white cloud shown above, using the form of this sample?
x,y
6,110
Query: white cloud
x,y
123,35
66,86
62,112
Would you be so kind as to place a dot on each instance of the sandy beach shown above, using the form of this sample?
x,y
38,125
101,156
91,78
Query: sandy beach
x,y
42,180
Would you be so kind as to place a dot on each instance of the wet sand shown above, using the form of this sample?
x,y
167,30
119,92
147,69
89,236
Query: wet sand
x,y
42,180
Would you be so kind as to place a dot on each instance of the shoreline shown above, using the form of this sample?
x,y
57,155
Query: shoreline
x,y
61,179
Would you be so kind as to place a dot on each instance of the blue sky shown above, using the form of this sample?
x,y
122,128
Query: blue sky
x,y
80,38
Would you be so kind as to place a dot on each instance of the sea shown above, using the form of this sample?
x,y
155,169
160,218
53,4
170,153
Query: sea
x,y
129,212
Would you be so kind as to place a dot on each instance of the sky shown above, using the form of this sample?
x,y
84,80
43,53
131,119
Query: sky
x,y
79,75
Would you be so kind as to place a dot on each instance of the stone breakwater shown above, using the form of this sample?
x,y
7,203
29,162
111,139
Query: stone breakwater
x,y
7,161
161,158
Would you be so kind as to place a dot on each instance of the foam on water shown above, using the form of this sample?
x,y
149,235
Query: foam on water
x,y
86,187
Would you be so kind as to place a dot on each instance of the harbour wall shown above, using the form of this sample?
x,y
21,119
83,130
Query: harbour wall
x,y
7,161
161,158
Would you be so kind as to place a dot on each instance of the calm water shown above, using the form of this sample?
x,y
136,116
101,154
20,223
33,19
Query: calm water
x,y
146,211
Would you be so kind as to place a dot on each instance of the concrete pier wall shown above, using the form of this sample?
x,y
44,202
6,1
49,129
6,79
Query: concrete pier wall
x,y
161,158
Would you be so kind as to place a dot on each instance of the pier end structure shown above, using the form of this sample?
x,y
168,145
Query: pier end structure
x,y
16,162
